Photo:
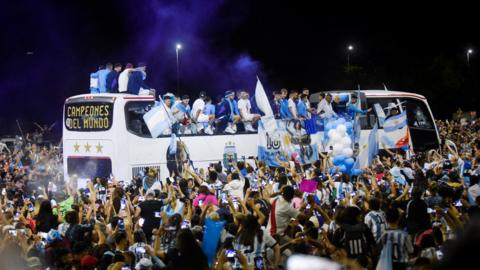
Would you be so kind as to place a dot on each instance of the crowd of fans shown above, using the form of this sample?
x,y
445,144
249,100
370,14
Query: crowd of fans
x,y
423,208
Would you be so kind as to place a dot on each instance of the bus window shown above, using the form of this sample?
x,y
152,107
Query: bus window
x,y
384,103
89,167
418,115
134,111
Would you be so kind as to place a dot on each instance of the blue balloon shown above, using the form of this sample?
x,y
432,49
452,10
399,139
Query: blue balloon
x,y
338,160
341,121
349,163
348,125
356,172
342,168
329,126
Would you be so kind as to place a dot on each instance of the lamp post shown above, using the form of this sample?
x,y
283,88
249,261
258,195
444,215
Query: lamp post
x,y
178,48
349,49
469,51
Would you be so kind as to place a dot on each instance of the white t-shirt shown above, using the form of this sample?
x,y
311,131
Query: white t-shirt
x,y
292,107
123,80
244,107
198,105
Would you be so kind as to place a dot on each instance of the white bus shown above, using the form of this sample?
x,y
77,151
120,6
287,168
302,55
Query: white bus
x,y
105,134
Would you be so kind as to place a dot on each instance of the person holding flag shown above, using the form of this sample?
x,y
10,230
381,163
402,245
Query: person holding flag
x,y
353,107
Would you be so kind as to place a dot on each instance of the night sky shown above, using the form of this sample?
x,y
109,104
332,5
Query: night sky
x,y
49,48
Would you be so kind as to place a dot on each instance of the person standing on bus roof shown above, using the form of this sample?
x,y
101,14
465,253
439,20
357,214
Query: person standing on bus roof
x,y
277,98
232,112
136,80
353,107
292,104
302,107
199,117
102,77
284,112
112,78
94,81
123,78
244,108
325,109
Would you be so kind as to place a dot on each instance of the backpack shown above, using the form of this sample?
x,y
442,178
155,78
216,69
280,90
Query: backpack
x,y
354,241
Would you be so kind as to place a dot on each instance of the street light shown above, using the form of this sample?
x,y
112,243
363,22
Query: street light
x,y
469,51
177,48
350,48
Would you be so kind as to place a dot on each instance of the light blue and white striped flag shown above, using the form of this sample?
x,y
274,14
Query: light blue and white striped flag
x,y
395,122
157,120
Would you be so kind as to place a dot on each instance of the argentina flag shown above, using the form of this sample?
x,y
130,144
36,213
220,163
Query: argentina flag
x,y
395,122
396,134
157,120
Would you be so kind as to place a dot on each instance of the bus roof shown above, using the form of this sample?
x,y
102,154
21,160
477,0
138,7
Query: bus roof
x,y
105,96
373,93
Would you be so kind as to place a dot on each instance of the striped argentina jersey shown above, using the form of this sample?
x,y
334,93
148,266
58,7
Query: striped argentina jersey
x,y
401,244
375,220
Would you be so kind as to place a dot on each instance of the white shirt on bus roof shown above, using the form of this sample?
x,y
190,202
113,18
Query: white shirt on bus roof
x,y
198,105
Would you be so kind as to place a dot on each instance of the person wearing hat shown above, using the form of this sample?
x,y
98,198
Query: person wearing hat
x,y
244,108
199,117
182,111
353,107
123,78
136,80
233,116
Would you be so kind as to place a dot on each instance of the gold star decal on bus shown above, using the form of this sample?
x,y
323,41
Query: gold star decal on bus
x,y
99,148
76,147
87,147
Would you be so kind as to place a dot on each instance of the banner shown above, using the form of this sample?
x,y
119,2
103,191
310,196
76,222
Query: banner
x,y
396,133
289,141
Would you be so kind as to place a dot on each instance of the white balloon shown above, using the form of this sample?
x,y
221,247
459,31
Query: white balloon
x,y
347,152
341,129
346,141
335,137
331,133
337,149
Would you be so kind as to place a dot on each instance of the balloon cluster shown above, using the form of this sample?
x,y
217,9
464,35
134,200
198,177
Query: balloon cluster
x,y
339,134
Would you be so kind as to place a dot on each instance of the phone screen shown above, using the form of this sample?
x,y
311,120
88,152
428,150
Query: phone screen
x,y
230,253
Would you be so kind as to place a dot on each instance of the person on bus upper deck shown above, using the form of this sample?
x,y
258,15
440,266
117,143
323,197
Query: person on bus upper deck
x,y
292,104
244,108
284,112
94,81
277,97
123,78
112,78
306,92
181,111
169,100
102,78
325,109
353,107
302,107
232,112
209,110
199,117
136,80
